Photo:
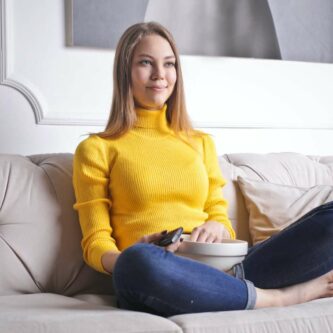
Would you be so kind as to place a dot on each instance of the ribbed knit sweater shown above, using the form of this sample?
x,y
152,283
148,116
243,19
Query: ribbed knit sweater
x,y
146,181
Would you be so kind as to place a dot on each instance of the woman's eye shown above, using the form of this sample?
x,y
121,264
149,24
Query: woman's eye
x,y
145,62
149,62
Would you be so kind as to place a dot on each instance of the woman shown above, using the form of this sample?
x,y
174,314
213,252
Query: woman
x,y
149,171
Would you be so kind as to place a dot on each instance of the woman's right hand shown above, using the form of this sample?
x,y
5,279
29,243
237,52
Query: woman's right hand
x,y
109,260
153,238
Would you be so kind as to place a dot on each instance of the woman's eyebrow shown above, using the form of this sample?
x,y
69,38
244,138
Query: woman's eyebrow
x,y
148,56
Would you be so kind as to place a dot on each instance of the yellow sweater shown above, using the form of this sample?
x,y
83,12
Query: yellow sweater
x,y
144,182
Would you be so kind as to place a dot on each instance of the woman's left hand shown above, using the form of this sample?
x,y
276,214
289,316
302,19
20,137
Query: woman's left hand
x,y
210,232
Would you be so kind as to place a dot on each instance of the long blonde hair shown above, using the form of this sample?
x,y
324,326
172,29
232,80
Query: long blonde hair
x,y
122,115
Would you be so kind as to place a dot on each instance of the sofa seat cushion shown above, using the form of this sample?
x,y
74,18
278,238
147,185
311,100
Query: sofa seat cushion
x,y
56,313
315,316
109,300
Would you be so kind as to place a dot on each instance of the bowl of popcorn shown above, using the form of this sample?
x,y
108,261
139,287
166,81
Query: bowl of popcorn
x,y
222,255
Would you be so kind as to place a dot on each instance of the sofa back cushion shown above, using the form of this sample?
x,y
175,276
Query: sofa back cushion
x,y
290,204
40,235
265,179
39,231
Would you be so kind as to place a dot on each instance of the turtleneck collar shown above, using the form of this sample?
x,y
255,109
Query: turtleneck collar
x,y
153,119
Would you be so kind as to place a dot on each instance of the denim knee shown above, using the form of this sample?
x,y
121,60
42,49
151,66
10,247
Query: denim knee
x,y
135,264
135,256
136,252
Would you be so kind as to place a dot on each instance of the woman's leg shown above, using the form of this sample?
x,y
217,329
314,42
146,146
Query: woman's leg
x,y
300,253
303,292
150,279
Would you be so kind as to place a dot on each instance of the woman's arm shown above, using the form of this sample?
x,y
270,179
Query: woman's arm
x,y
109,258
91,172
217,225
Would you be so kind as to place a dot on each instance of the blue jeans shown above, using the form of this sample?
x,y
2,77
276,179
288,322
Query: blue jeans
x,y
299,253
147,278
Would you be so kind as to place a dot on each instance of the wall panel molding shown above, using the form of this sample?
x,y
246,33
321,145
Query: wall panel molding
x,y
4,78
231,93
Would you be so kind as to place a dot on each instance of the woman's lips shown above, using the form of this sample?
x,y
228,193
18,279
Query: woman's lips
x,y
157,89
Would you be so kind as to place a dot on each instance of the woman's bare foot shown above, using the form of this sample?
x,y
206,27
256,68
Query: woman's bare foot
x,y
317,288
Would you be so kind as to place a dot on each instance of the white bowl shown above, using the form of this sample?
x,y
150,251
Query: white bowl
x,y
219,255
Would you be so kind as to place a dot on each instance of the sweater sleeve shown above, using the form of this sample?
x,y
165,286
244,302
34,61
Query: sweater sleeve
x,y
91,171
215,206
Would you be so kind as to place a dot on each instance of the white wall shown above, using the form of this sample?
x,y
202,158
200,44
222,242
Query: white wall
x,y
52,94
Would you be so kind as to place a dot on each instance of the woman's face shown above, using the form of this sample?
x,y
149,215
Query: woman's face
x,y
153,72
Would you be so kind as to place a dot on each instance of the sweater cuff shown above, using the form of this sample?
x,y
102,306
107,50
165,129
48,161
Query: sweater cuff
x,y
231,230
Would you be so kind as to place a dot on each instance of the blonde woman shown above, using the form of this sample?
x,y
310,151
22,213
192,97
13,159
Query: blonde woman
x,y
149,172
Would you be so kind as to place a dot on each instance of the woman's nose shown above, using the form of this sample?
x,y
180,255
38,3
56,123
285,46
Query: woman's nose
x,y
158,73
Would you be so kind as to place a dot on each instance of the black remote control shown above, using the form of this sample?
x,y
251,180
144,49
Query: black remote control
x,y
171,237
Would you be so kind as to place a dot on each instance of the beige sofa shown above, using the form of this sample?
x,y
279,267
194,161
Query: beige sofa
x,y
46,287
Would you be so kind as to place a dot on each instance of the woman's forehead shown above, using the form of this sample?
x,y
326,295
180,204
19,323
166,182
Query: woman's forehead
x,y
154,45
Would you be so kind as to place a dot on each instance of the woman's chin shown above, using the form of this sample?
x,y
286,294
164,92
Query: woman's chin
x,y
153,105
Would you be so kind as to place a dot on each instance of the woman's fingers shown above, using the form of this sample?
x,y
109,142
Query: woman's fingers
x,y
174,247
201,235
211,239
195,234
209,232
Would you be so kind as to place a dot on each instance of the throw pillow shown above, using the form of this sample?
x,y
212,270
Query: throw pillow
x,y
273,207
